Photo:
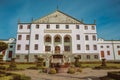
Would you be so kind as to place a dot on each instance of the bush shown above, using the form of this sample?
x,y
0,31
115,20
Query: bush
x,y
77,64
79,70
20,77
2,67
71,70
52,71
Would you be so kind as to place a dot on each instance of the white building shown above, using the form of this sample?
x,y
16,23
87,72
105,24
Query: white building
x,y
61,34
10,51
109,49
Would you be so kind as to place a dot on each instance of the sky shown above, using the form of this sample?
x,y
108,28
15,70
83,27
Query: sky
x,y
106,13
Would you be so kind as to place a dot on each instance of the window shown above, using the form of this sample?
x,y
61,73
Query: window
x,y
101,46
27,47
35,56
19,37
21,27
27,37
93,27
11,46
66,39
28,26
108,52
17,56
78,47
47,48
26,57
36,46
36,37
94,37
77,26
95,47
37,26
18,47
88,56
78,37
118,46
86,37
57,39
86,27
67,48
57,26
102,53
48,26
48,39
87,47
108,46
10,54
118,52
67,26
96,56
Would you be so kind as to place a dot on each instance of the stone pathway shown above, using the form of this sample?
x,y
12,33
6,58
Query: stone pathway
x,y
86,74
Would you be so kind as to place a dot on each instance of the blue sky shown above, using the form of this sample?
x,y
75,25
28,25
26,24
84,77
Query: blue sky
x,y
106,13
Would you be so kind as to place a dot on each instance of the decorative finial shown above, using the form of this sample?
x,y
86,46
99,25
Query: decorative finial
x,y
32,19
94,21
57,7
19,20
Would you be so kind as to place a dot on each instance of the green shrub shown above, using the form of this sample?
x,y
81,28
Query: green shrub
x,y
52,71
2,67
79,70
71,70
77,64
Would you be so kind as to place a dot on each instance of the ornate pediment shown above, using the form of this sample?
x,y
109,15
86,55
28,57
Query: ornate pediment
x,y
57,17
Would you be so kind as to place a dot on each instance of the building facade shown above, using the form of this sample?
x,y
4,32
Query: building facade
x,y
9,53
109,49
60,34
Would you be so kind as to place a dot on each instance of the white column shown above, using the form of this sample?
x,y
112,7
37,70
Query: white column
x,y
52,44
62,46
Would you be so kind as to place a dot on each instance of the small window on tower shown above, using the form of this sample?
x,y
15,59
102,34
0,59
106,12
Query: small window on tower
x,y
88,56
47,48
93,27
11,46
28,26
21,27
118,46
17,56
18,47
48,26
37,26
19,37
86,27
101,46
108,52
57,26
67,26
77,26
78,47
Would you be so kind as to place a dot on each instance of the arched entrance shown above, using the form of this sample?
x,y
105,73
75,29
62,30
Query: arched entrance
x,y
57,49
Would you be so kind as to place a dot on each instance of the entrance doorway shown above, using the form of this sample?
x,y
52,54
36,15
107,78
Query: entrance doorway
x,y
57,49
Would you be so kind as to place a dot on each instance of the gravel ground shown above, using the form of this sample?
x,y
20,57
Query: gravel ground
x,y
86,74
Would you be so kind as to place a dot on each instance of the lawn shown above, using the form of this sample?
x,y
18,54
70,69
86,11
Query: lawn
x,y
84,65
90,65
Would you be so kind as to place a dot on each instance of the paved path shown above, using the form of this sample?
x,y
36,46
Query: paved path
x,y
86,74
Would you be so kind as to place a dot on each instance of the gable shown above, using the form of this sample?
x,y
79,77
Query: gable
x,y
57,17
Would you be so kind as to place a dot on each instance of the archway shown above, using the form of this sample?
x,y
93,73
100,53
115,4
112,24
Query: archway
x,y
57,49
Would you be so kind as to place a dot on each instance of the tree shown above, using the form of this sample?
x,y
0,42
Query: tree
x,y
3,46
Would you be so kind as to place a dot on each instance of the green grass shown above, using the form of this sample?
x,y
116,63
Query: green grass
x,y
89,65
21,66
98,64
6,78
